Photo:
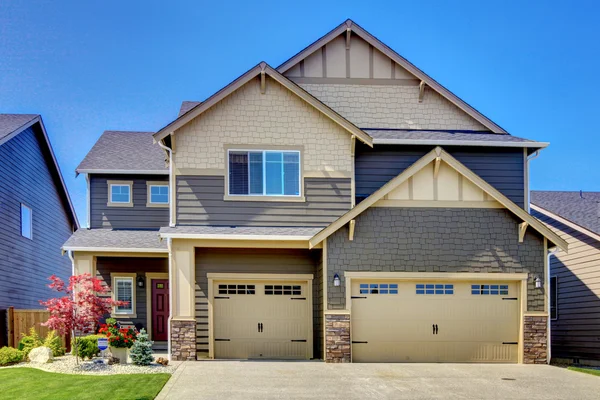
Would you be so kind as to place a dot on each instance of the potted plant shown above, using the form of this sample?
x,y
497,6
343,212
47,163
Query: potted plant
x,y
120,340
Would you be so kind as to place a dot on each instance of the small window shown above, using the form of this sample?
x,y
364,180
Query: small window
x,y
553,297
124,292
434,288
378,288
237,289
283,290
120,193
490,289
26,222
264,173
159,194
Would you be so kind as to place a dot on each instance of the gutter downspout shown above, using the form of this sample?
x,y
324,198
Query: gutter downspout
x,y
549,328
170,152
88,202
169,246
535,155
70,253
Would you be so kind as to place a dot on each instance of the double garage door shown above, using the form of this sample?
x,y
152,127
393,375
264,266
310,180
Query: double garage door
x,y
254,320
421,321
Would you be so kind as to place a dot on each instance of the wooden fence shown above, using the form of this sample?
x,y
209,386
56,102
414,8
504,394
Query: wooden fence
x,y
19,322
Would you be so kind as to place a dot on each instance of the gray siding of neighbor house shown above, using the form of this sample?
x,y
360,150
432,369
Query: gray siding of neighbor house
x,y
503,168
200,202
106,265
257,261
137,217
25,264
576,330
434,240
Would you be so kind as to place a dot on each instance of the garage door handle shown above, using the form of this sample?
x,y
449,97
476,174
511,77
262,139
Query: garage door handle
x,y
217,297
260,327
298,298
510,342
357,342
510,298
299,340
435,329
358,297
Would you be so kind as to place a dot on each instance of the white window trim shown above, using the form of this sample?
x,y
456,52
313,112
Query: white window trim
x,y
265,197
555,290
149,186
30,221
110,203
114,276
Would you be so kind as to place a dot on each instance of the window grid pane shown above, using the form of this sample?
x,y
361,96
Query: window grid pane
x,y
159,194
238,172
489,289
283,290
264,173
435,289
119,194
378,288
124,292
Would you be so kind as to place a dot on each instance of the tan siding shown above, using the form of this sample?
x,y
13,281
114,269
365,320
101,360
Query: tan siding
x,y
576,332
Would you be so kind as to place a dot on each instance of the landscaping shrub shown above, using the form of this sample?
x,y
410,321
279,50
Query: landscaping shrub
x,y
88,346
30,342
54,342
141,351
117,337
9,355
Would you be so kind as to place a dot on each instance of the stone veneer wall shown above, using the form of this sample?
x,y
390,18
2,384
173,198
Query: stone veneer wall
x,y
337,338
535,340
183,340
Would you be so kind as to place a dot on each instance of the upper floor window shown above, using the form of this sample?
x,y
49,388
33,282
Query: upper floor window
x,y
26,222
158,194
119,193
264,173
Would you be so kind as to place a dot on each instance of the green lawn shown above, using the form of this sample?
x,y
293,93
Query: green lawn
x,y
31,383
586,370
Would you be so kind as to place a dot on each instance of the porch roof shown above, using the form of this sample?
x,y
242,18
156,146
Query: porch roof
x,y
240,232
108,240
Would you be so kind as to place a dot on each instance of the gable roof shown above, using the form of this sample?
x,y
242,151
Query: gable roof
x,y
376,43
123,152
440,153
187,106
279,78
580,208
13,124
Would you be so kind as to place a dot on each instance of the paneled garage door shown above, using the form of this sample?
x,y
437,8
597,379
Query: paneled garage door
x,y
423,321
268,320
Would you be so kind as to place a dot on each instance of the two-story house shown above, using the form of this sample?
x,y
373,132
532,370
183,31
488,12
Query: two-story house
x,y
343,206
36,214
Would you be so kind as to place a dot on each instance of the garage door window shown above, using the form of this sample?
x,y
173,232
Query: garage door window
x,y
434,288
378,288
283,290
499,290
237,289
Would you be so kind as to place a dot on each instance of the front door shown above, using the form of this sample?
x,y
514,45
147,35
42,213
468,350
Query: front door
x,y
160,308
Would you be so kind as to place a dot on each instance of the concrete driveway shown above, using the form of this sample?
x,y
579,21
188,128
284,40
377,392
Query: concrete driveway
x,y
250,380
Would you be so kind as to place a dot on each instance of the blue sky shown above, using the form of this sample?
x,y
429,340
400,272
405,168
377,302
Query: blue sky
x,y
532,67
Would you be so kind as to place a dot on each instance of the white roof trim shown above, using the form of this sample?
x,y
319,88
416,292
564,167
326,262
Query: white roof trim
x,y
122,171
536,145
274,238
115,249
565,221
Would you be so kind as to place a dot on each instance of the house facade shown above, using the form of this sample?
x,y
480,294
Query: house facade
x,y
343,206
36,214
574,287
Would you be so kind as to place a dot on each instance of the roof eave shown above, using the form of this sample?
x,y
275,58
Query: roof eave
x,y
121,171
535,145
203,236
114,249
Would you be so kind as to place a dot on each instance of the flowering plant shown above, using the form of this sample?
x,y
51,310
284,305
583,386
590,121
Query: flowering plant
x,y
117,337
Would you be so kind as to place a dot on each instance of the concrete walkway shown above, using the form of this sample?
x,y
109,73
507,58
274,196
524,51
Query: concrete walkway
x,y
250,380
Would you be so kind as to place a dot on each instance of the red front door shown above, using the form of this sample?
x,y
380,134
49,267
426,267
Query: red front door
x,y
160,308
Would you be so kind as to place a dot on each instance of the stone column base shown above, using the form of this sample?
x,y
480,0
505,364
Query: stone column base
x,y
183,340
535,339
337,338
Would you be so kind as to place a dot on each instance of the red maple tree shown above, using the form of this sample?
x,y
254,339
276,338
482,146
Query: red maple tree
x,y
79,310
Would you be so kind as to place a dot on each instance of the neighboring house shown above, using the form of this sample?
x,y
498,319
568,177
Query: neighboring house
x,y
342,206
574,276
36,214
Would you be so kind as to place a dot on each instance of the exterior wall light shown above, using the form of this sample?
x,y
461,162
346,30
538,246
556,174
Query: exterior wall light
x,y
140,282
538,282
336,280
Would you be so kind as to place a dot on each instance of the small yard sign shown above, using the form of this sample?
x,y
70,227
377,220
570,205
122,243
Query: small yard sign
x,y
102,344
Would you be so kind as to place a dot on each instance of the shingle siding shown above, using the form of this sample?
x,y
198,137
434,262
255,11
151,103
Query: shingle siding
x,y
200,202
137,217
25,264
434,240
501,168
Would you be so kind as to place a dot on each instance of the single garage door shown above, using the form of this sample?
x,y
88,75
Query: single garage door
x,y
268,320
399,321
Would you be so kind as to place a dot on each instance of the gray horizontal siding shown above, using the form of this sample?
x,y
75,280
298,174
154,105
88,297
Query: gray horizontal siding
x,y
261,261
200,202
106,265
576,331
25,265
137,217
501,168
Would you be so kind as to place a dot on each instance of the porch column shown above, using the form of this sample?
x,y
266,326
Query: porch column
x,y
84,263
183,281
